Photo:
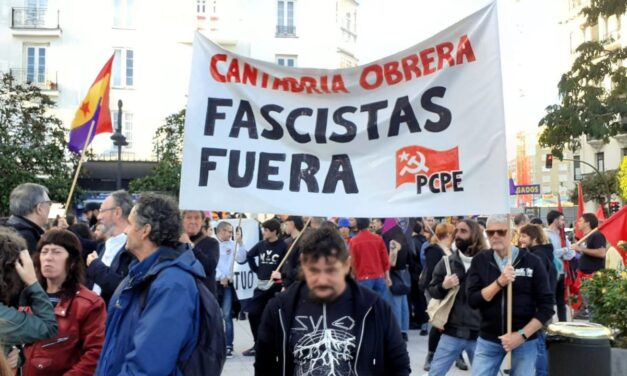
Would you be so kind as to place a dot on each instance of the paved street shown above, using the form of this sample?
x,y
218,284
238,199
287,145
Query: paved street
x,y
242,366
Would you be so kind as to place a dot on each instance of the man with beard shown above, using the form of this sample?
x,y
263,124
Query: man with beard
x,y
462,327
90,215
107,266
329,322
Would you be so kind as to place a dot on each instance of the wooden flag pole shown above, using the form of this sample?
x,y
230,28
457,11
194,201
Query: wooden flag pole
x,y
267,286
239,224
78,168
508,356
289,251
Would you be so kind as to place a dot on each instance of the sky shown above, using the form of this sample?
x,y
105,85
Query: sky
x,y
534,46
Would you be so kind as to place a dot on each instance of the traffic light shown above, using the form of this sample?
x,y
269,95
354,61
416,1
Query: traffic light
x,y
614,207
548,164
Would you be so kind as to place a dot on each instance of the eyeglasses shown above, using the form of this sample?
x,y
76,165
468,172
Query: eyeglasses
x,y
108,209
45,202
500,233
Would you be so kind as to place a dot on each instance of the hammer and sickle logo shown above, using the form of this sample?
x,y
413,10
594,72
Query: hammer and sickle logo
x,y
413,166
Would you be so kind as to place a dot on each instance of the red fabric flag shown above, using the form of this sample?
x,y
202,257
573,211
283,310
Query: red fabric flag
x,y
416,160
615,228
578,232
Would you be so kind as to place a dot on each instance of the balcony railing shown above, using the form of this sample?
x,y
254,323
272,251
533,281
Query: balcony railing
x,y
44,80
285,30
34,18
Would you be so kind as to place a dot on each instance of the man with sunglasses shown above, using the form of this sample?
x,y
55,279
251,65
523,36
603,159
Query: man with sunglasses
x,y
488,277
29,205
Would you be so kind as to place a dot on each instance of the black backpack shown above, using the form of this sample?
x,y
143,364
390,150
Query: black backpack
x,y
208,358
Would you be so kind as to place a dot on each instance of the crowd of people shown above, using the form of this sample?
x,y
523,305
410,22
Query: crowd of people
x,y
91,294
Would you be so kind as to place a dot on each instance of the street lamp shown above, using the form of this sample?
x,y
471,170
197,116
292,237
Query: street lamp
x,y
607,187
119,140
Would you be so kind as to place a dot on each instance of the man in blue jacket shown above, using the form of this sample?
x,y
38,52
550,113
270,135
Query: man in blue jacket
x,y
153,319
329,323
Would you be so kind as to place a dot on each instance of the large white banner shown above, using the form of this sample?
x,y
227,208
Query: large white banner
x,y
417,133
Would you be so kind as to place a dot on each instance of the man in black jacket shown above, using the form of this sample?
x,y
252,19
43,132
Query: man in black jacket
x,y
329,323
29,204
109,264
533,299
206,249
263,259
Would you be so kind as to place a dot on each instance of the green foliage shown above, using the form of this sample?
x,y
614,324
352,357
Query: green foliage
x,y
594,188
592,94
622,180
168,147
603,8
33,146
607,296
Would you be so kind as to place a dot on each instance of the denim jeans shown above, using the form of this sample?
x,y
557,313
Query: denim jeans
x,y
489,357
379,286
448,351
400,307
542,360
225,295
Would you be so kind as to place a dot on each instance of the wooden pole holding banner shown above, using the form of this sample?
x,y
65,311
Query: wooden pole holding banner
x,y
267,286
78,168
508,356
289,251
239,224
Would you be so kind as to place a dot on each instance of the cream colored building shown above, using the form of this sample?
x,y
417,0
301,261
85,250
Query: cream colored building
x,y
60,46
613,31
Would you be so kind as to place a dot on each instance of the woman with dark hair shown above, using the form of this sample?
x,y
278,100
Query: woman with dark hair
x,y
18,281
535,240
462,327
440,246
80,312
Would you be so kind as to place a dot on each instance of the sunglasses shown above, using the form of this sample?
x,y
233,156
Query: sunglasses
x,y
500,233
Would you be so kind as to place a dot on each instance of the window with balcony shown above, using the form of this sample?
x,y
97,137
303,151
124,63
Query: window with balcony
x,y
600,161
285,19
286,60
123,11
546,178
577,168
35,15
123,68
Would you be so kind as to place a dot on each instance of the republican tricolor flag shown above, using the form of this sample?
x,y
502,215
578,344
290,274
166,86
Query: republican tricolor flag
x,y
93,112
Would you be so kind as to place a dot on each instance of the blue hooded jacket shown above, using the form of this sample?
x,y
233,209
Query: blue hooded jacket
x,y
155,340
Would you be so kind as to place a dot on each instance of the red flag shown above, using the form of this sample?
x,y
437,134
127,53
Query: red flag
x,y
578,232
615,228
601,213
416,160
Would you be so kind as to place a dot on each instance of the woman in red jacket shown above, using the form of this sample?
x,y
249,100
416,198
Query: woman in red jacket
x,y
80,313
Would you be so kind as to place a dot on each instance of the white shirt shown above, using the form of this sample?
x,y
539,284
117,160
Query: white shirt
x,y
112,246
223,269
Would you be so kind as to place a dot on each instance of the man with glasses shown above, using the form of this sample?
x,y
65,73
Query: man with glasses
x,y
29,205
488,277
107,266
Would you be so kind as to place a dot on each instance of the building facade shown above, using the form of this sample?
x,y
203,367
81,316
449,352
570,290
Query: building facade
x,y
612,32
60,46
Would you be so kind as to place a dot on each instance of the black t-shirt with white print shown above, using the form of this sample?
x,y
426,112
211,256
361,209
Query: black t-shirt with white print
x,y
322,337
